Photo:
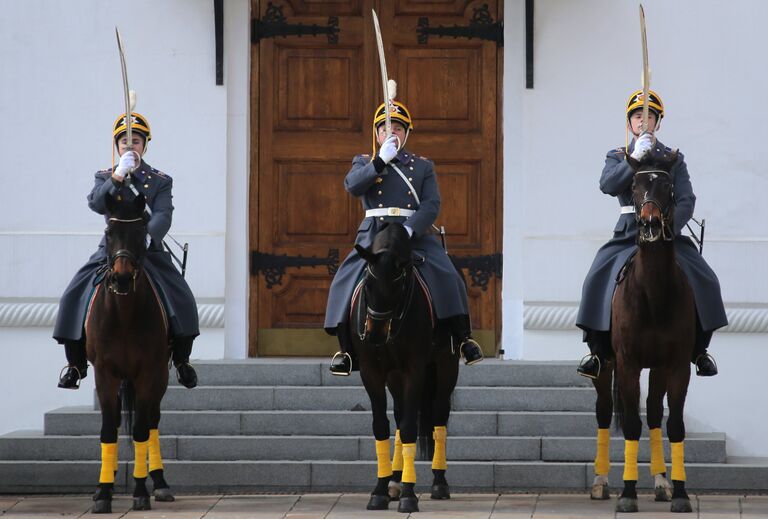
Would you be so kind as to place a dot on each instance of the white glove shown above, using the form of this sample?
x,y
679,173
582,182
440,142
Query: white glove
x,y
410,231
388,149
128,163
643,145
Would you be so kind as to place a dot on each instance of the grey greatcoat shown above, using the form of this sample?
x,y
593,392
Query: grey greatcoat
x,y
597,292
178,300
388,189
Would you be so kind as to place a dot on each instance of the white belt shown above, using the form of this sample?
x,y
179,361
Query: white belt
x,y
389,211
627,209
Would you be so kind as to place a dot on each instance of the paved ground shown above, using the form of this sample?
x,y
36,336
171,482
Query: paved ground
x,y
504,506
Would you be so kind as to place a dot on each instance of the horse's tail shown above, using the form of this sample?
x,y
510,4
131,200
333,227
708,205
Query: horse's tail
x,y
618,405
426,443
127,398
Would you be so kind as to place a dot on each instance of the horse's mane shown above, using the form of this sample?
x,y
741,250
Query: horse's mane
x,y
393,238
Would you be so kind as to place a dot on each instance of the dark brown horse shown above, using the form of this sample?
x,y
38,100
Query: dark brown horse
x,y
393,330
127,343
653,325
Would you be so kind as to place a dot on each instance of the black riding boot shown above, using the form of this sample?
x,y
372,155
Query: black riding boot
x,y
461,328
599,343
185,373
77,368
344,361
705,364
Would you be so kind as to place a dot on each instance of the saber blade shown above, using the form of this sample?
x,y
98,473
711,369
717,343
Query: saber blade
x,y
646,70
383,65
126,91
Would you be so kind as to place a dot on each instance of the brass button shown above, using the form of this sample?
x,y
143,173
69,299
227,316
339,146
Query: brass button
x,y
146,186
381,218
119,197
148,177
379,180
381,205
379,192
409,193
410,178
411,168
409,205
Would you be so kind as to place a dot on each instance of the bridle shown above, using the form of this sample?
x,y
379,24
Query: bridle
x,y
372,315
109,268
667,233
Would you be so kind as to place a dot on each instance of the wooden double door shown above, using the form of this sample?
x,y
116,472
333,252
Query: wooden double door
x,y
312,104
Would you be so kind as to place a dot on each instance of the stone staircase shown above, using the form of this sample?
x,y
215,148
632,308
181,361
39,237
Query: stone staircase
x,y
287,425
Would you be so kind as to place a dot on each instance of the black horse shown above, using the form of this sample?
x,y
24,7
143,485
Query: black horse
x,y
393,331
653,325
127,343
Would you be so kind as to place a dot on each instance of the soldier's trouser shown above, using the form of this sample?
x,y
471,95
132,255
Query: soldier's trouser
x,y
460,327
182,349
75,352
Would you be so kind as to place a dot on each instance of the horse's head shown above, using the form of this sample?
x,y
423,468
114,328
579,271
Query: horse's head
x,y
126,235
653,196
389,262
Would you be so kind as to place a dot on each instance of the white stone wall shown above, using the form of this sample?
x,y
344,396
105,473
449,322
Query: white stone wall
x,y
587,60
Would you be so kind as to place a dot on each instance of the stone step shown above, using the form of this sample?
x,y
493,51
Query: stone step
x,y
346,398
314,372
17,477
82,420
33,445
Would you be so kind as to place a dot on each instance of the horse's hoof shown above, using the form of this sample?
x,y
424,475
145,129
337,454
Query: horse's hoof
x,y
102,506
378,502
164,495
600,492
626,504
141,503
440,492
681,505
408,504
663,494
393,489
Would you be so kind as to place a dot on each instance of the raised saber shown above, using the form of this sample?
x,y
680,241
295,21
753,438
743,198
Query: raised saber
x,y
384,79
130,97
646,71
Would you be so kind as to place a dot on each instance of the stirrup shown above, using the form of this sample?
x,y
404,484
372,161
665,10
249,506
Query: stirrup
x,y
461,351
341,373
707,355
80,375
599,366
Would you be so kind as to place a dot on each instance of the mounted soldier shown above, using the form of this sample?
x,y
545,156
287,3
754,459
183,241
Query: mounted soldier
x,y
177,298
594,315
394,185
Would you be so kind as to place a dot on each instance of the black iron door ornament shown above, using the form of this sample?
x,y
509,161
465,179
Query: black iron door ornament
x,y
481,268
273,266
275,24
480,26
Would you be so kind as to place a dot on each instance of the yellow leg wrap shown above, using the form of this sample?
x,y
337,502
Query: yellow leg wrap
x,y
397,458
603,458
409,465
678,465
657,453
438,460
155,459
630,460
140,463
108,462
382,456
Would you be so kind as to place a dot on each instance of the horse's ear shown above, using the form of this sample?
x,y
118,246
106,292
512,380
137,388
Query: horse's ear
x,y
110,203
673,157
139,203
366,254
635,164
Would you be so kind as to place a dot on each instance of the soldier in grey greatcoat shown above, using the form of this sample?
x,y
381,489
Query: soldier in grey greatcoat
x,y
594,315
398,186
174,292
